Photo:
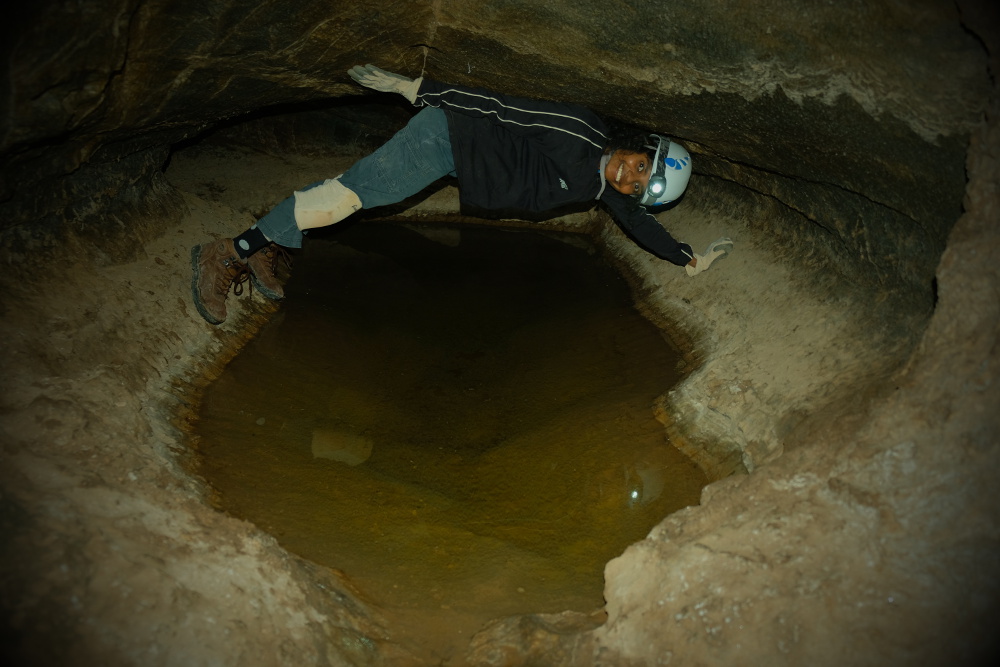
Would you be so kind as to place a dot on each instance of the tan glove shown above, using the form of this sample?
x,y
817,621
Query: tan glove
x,y
372,77
715,250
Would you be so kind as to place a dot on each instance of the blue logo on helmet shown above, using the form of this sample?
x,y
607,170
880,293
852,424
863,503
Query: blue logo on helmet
x,y
676,164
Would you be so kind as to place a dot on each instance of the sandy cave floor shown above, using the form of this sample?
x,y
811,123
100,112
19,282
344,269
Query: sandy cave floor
x,y
111,556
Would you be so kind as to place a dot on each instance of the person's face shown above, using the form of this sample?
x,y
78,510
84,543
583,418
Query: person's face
x,y
628,172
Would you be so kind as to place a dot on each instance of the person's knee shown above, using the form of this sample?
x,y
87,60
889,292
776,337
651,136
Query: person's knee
x,y
325,205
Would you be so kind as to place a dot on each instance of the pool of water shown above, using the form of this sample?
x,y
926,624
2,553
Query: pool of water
x,y
457,418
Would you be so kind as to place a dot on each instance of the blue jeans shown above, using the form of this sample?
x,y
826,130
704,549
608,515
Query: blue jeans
x,y
415,157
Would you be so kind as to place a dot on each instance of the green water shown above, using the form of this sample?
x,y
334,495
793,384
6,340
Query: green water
x,y
461,422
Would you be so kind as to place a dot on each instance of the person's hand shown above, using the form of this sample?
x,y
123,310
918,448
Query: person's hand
x,y
715,250
372,77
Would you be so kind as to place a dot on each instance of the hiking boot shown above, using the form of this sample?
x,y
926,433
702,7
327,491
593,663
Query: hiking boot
x,y
263,269
216,267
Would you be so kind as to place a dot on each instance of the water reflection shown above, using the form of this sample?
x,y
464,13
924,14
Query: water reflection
x,y
465,425
339,445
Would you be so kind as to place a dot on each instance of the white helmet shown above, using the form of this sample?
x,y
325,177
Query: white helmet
x,y
671,172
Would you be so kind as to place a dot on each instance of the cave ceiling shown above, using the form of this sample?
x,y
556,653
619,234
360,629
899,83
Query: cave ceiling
x,y
849,120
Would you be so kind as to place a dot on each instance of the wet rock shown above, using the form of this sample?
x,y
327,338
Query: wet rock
x,y
538,638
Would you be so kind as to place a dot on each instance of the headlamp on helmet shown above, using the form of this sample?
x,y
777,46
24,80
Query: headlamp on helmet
x,y
671,172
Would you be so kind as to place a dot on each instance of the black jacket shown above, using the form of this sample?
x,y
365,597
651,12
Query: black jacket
x,y
531,155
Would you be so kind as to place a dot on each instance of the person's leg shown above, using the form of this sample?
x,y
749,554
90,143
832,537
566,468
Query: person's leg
x,y
415,157
262,245
279,224
253,254
412,159
324,204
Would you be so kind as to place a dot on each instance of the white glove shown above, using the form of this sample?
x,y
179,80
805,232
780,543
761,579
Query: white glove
x,y
714,251
372,77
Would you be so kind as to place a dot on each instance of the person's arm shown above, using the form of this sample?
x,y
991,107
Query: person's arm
x,y
378,79
646,230
541,120
517,113
716,249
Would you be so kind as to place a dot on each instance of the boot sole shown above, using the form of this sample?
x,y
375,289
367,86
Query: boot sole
x,y
264,292
195,277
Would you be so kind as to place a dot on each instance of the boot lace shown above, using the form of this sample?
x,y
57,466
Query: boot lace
x,y
236,274
275,254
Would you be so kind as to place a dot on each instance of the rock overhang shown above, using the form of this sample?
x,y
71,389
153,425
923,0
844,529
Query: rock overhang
x,y
852,118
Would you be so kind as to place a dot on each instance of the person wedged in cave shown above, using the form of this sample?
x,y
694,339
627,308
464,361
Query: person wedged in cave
x,y
508,153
